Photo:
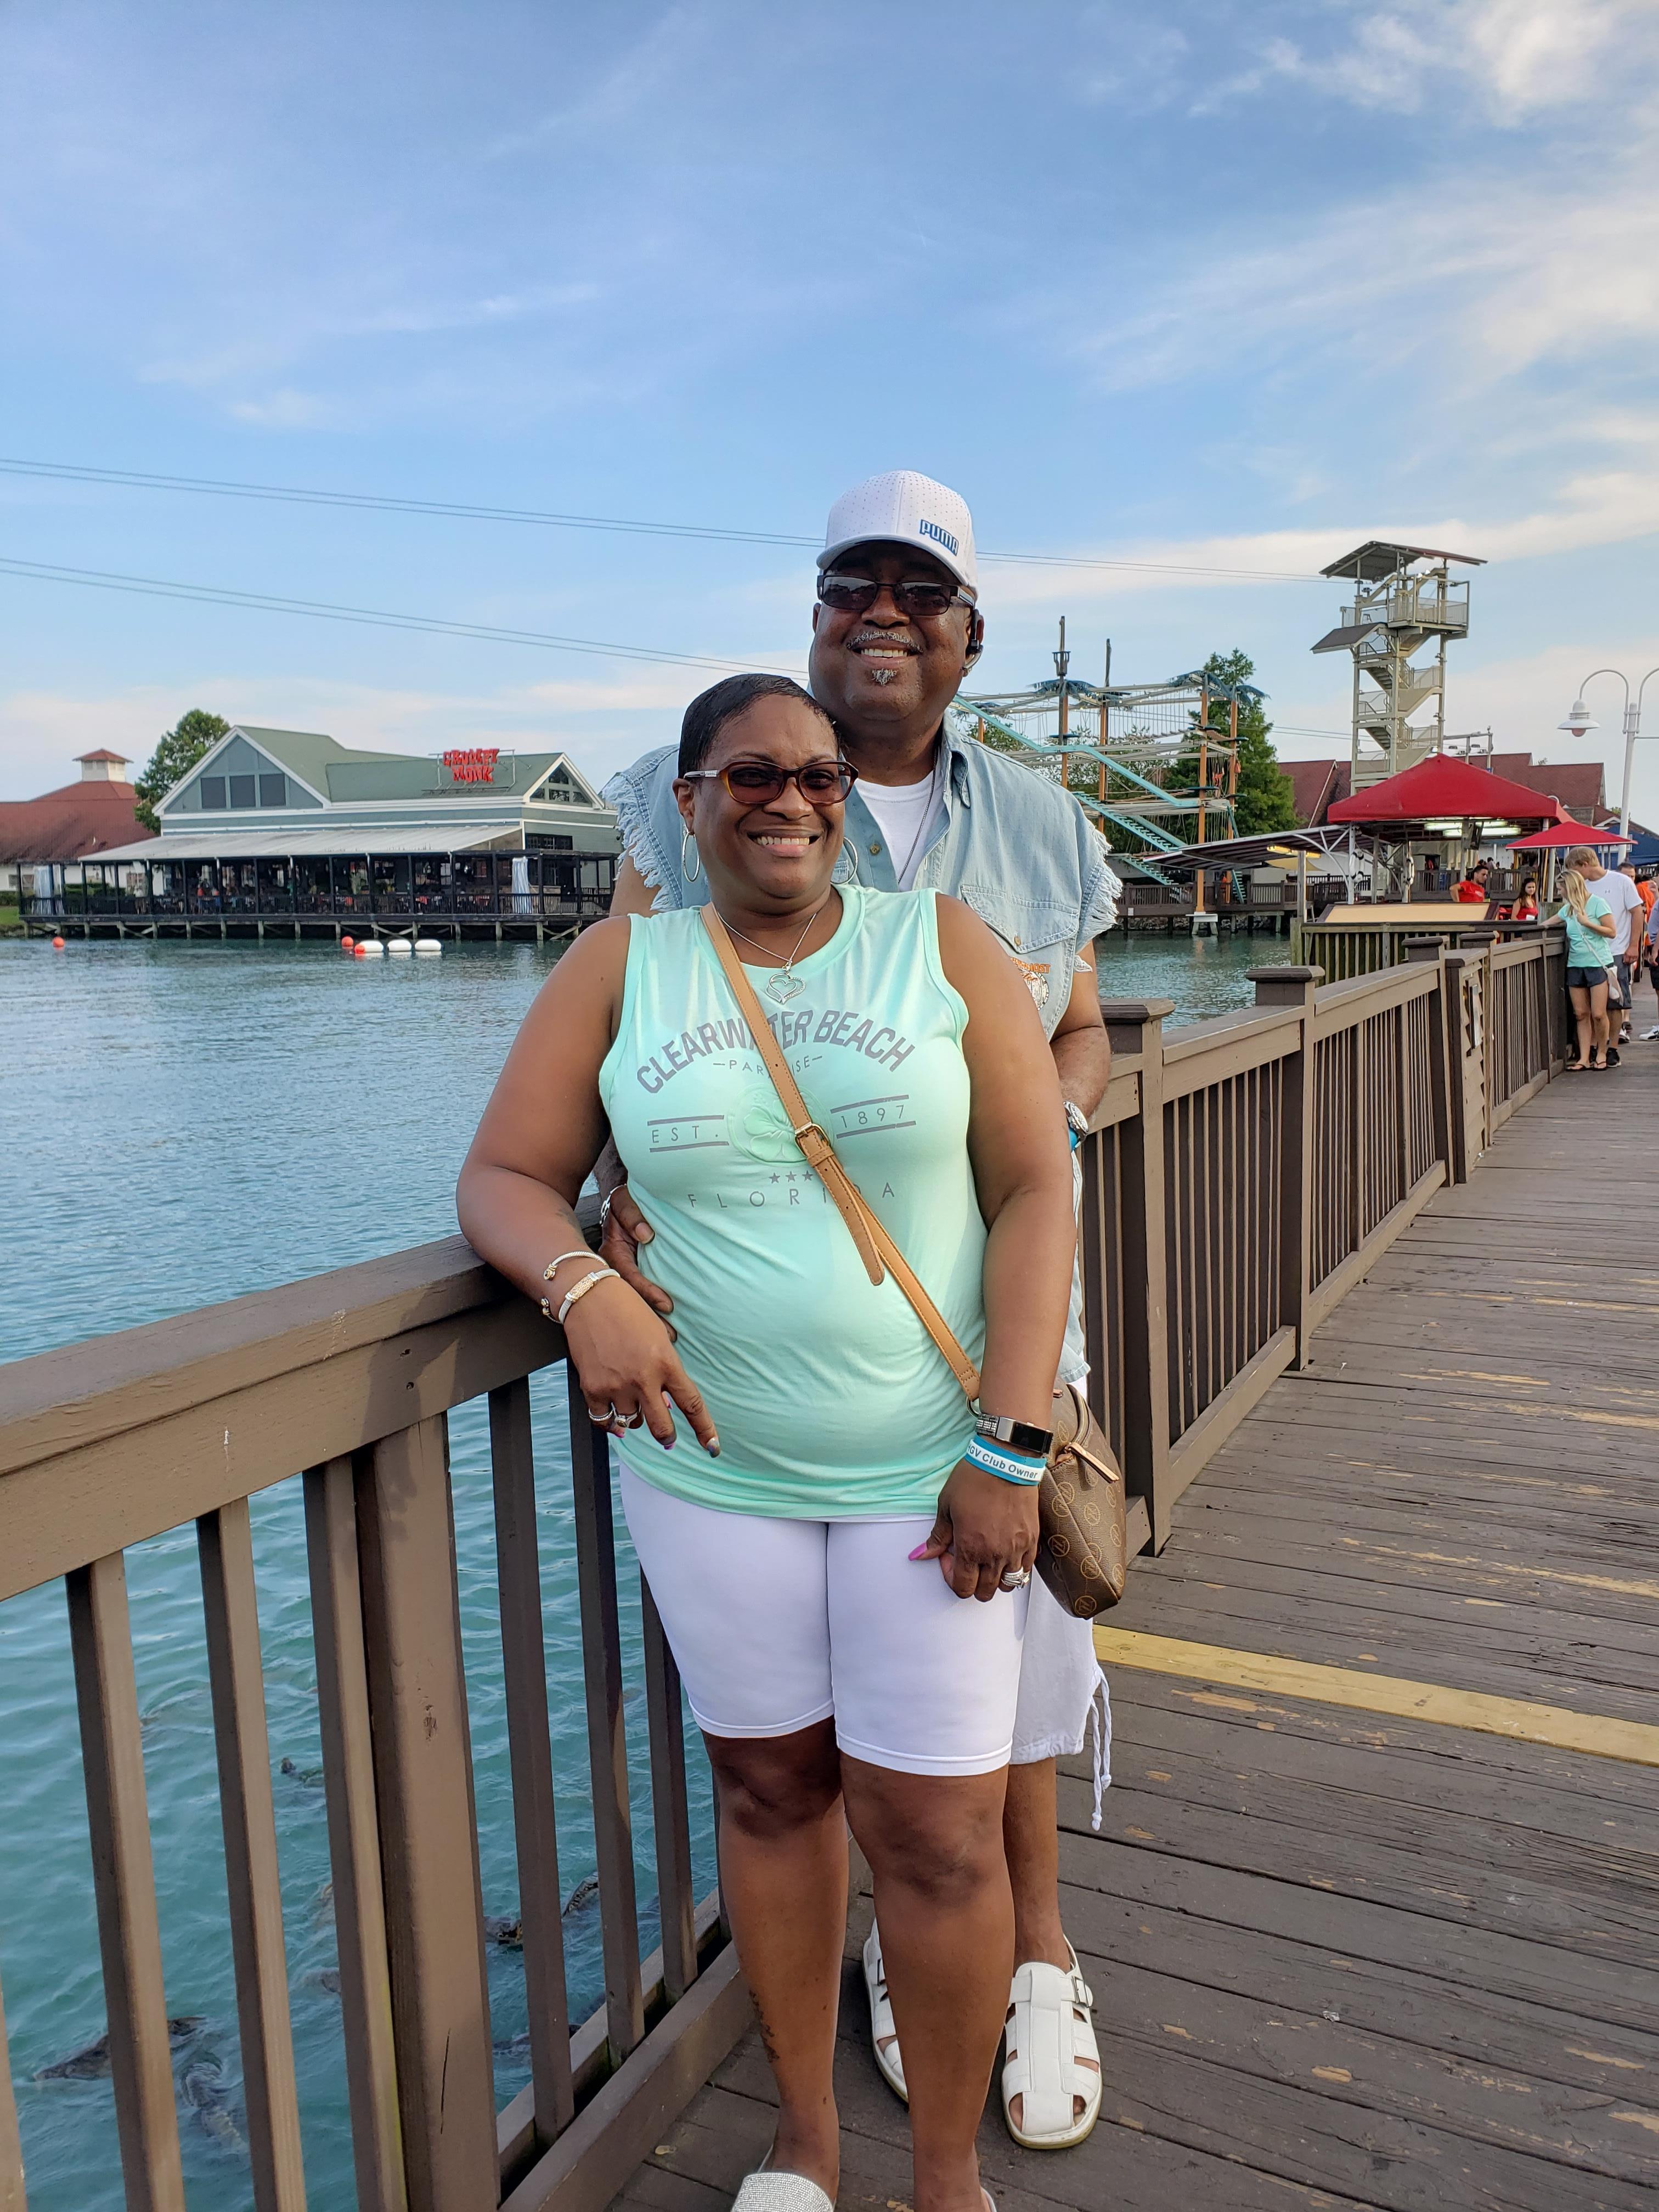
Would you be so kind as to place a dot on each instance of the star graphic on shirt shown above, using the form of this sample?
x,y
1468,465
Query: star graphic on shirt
x,y
778,1178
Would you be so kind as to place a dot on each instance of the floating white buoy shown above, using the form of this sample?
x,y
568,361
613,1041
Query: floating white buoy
x,y
369,948
431,946
400,945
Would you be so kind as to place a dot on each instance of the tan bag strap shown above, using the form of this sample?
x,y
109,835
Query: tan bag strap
x,y
874,1244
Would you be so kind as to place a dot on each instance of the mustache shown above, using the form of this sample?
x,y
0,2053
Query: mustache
x,y
903,637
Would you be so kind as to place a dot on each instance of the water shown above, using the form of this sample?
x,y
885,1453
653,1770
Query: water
x,y
181,1124
1204,975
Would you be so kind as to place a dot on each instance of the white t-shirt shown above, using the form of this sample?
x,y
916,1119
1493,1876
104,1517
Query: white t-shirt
x,y
908,816
1623,900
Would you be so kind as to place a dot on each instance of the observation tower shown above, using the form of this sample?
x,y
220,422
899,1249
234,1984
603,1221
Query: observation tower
x,y
1403,600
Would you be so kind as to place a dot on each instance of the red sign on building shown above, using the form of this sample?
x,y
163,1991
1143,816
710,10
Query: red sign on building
x,y
477,765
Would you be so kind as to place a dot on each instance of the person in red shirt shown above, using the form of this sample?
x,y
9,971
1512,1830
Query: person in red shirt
x,y
1473,891
1525,908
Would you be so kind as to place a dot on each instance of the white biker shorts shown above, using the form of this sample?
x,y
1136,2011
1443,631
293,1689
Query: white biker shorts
x,y
776,1624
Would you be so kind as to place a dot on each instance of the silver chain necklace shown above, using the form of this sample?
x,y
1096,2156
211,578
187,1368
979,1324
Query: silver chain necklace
x,y
927,817
785,984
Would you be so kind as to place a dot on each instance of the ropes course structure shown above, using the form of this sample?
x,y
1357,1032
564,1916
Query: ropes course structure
x,y
1147,761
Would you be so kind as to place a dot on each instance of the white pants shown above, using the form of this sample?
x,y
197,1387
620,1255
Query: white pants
x,y
776,1624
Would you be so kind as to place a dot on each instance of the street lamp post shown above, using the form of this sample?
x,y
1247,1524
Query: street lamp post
x,y
1579,721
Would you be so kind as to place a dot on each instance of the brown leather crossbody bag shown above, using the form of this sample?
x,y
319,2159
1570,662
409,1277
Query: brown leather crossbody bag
x,y
1082,1547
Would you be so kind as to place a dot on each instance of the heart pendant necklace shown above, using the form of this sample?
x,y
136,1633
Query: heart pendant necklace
x,y
785,984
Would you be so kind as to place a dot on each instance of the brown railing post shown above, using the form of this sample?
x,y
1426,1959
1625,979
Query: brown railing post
x,y
429,1829
607,1748
1479,943
524,1679
670,1809
354,1835
1136,1025
1466,1032
124,1884
1425,951
1554,943
1295,986
11,2148
236,1685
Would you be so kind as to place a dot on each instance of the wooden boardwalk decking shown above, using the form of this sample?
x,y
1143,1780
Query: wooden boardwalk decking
x,y
1343,1958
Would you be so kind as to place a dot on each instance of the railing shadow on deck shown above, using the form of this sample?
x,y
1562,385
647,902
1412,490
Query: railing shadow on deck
x,y
1241,1175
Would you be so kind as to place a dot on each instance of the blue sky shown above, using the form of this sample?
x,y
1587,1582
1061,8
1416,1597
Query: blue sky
x,y
1216,283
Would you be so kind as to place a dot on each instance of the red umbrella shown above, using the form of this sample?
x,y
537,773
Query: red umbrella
x,y
1444,786
1560,834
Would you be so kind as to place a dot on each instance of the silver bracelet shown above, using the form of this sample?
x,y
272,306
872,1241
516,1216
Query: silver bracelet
x,y
604,1205
552,1268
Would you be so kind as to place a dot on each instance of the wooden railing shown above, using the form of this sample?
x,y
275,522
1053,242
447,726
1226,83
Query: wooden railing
x,y
350,1377
1240,1176
1244,1173
1353,946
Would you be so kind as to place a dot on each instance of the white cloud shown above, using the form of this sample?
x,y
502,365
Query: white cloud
x,y
1606,507
1516,58
1499,279
286,409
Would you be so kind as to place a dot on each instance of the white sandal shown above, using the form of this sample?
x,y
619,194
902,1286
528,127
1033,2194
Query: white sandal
x,y
883,2035
1052,2062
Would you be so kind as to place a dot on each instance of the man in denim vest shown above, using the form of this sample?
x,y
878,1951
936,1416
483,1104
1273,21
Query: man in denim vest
x,y
894,630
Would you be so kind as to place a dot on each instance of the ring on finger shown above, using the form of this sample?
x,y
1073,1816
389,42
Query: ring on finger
x,y
1014,1578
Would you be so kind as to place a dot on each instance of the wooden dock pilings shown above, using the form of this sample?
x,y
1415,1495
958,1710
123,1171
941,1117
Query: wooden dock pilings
x,y
1241,1177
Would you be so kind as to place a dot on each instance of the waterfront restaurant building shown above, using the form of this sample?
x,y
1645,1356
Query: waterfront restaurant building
x,y
290,831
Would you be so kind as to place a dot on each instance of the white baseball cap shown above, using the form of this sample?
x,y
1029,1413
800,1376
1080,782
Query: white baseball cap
x,y
903,508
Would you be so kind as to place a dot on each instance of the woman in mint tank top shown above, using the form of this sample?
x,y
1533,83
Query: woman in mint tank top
x,y
840,1558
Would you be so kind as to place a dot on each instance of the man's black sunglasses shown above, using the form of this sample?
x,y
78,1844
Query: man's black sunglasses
x,y
916,598
758,783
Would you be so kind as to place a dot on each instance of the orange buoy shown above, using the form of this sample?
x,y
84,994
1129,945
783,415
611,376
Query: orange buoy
x,y
346,944
57,944
359,951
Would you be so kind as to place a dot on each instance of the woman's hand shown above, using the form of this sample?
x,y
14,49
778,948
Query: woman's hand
x,y
985,1529
629,1370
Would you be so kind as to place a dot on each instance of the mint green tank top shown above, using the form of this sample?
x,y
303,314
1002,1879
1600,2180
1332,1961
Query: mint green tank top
x,y
831,1400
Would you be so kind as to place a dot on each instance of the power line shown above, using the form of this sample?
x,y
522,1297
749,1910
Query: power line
x,y
378,618
460,510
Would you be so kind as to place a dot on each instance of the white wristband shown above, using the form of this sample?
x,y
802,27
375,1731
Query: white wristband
x,y
1008,1467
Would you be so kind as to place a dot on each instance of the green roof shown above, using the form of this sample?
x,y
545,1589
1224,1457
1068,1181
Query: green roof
x,y
308,754
341,773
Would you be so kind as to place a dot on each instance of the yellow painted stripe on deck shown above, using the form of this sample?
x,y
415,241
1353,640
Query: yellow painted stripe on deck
x,y
1633,1742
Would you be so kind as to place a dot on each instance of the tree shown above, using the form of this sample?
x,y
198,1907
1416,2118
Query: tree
x,y
192,738
1264,801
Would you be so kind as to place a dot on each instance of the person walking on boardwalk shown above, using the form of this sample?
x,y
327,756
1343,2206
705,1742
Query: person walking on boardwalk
x,y
1590,933
1624,904
814,1504
895,627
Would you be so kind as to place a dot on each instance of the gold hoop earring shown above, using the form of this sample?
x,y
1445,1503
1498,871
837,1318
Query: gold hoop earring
x,y
691,875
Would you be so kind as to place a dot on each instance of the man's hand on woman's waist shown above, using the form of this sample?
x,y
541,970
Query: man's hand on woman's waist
x,y
625,1230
